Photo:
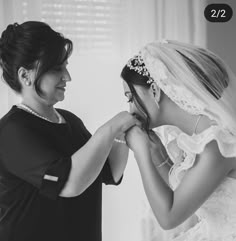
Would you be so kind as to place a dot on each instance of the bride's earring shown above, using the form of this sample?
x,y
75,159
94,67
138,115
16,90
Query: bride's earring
x,y
157,103
157,99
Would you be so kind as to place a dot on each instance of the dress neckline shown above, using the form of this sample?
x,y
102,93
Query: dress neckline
x,y
45,121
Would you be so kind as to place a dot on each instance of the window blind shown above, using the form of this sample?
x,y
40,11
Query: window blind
x,y
93,25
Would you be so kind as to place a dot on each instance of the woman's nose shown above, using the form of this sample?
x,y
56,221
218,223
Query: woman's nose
x,y
66,76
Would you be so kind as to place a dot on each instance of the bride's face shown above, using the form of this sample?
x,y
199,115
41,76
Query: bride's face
x,y
148,100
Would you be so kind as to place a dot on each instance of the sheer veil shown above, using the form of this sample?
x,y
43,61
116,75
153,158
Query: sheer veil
x,y
211,93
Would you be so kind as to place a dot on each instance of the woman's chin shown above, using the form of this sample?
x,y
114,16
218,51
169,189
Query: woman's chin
x,y
60,97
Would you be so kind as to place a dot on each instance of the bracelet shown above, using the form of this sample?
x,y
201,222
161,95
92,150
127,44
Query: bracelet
x,y
120,141
164,162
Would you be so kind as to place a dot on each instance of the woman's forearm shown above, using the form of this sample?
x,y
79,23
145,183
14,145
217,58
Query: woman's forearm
x,y
118,159
88,161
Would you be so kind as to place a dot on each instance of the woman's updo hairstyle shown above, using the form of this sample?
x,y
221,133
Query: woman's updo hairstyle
x,y
31,45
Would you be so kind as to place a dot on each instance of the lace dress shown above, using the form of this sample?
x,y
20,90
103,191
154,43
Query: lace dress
x,y
215,220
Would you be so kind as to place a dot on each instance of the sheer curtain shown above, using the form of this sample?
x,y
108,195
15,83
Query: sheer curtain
x,y
105,34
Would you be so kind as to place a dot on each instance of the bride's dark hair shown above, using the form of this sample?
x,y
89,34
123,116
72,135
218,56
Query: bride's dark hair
x,y
132,78
31,45
206,67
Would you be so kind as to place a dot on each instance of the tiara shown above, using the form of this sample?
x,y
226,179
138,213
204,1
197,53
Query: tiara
x,y
137,64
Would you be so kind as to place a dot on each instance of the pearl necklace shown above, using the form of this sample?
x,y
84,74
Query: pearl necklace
x,y
28,109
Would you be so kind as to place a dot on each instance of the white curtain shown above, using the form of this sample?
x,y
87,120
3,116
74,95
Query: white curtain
x,y
95,93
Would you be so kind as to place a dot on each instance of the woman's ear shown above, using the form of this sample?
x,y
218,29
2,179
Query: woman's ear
x,y
24,76
156,91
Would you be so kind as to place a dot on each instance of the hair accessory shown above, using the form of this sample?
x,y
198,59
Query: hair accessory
x,y
150,81
136,63
153,56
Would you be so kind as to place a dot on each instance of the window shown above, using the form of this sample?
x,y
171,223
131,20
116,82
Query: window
x,y
93,25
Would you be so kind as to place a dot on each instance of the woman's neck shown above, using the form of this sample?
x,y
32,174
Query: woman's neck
x,y
41,108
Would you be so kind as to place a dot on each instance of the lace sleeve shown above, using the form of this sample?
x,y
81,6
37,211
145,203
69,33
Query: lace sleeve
x,y
182,148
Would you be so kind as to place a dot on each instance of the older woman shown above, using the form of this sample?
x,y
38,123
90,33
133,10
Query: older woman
x,y
52,169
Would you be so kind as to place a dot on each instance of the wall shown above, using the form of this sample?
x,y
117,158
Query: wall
x,y
221,37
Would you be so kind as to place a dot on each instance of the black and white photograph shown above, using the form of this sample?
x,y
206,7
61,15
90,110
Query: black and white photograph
x,y
117,120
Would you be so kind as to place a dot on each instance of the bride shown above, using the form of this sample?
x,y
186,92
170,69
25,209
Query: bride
x,y
185,96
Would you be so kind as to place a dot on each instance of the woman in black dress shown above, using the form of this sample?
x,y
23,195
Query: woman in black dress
x,y
51,168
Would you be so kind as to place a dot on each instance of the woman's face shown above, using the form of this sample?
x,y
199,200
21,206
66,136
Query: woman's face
x,y
53,83
148,99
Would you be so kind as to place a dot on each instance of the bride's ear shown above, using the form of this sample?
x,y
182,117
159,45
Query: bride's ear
x,y
156,91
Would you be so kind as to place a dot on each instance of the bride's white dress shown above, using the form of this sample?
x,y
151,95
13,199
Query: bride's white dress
x,y
215,220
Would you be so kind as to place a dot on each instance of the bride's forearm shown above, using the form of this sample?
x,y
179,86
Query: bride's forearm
x,y
159,194
162,165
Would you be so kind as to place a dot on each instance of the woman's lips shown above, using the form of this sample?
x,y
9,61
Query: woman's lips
x,y
61,88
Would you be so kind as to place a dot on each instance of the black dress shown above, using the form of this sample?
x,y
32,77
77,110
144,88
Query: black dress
x,y
35,161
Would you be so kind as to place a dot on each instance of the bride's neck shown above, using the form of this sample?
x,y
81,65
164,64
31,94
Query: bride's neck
x,y
191,124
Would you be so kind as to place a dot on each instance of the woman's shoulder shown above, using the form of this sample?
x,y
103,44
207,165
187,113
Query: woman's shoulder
x,y
12,116
13,121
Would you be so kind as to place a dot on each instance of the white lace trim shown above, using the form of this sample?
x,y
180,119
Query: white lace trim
x,y
217,216
182,148
195,233
177,93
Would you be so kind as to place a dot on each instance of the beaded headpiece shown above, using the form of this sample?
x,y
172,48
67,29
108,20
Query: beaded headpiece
x,y
137,64
146,63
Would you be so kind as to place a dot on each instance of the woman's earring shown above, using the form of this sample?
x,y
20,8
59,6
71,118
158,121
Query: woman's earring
x,y
28,82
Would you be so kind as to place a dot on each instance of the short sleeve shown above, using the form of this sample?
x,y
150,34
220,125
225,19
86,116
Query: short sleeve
x,y
106,173
31,158
107,176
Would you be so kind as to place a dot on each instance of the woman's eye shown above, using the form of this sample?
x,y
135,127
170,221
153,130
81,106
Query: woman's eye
x,y
57,68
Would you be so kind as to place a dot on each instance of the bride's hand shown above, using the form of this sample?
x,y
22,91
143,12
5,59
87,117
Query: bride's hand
x,y
137,139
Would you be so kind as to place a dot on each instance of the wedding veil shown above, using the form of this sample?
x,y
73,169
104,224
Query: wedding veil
x,y
210,91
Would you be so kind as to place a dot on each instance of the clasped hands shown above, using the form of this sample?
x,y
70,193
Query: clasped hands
x,y
139,139
131,127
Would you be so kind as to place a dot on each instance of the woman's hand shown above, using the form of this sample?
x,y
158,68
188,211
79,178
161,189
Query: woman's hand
x,y
137,139
122,122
